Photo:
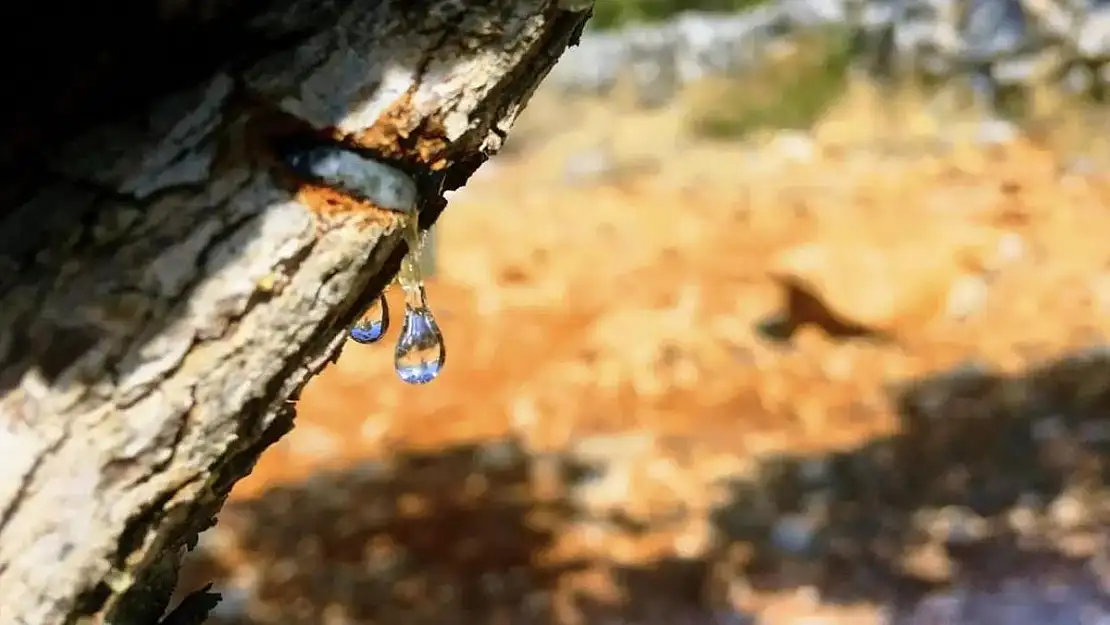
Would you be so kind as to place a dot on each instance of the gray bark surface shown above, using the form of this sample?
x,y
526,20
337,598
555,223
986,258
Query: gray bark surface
x,y
166,289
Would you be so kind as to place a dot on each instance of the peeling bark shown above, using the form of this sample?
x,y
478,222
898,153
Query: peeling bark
x,y
166,288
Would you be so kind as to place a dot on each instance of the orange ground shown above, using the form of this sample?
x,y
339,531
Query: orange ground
x,y
630,305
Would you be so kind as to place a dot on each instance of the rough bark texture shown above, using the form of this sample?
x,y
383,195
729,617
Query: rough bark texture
x,y
166,289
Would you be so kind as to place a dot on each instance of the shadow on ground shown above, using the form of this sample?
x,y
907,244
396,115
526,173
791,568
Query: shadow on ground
x,y
987,508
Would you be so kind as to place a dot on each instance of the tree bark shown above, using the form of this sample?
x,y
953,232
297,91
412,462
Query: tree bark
x,y
167,287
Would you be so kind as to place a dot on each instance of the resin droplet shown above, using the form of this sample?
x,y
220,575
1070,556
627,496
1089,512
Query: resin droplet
x,y
373,323
420,350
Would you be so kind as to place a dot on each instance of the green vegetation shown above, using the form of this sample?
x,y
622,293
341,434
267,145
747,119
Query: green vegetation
x,y
791,91
615,13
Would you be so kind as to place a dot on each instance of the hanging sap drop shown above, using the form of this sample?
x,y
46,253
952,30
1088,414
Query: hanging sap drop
x,y
373,323
420,350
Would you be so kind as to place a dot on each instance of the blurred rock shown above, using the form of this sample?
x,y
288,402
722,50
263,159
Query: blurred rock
x,y
998,42
795,533
599,165
875,279
1036,591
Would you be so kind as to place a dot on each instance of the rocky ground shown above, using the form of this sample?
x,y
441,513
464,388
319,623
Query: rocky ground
x,y
793,380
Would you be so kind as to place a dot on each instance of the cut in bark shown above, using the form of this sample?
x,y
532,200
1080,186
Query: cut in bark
x,y
167,288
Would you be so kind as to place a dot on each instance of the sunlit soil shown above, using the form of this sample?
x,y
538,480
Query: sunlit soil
x,y
632,302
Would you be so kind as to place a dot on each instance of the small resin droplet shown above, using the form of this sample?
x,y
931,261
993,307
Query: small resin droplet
x,y
420,350
373,323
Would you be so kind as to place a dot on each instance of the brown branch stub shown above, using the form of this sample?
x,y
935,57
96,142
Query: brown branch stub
x,y
164,292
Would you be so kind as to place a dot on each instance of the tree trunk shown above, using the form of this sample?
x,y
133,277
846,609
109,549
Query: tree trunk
x,y
167,286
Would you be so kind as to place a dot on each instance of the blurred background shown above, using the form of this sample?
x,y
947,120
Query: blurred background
x,y
768,312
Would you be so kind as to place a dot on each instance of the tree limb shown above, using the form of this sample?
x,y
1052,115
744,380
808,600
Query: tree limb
x,y
167,287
